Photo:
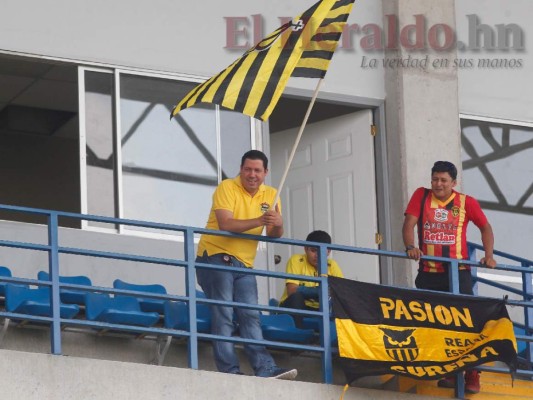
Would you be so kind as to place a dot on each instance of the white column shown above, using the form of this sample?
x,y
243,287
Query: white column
x,y
422,112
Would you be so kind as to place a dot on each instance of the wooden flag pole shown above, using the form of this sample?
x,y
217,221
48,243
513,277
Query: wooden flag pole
x,y
293,151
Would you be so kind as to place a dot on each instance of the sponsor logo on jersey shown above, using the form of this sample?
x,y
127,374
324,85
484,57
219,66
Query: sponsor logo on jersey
x,y
438,238
441,215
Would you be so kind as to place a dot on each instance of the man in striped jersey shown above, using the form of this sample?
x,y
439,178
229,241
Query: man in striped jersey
x,y
442,216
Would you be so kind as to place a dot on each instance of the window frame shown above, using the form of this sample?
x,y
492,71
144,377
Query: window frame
x,y
256,136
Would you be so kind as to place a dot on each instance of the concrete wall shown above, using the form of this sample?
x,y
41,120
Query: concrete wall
x,y
166,35
45,377
122,347
505,90
422,127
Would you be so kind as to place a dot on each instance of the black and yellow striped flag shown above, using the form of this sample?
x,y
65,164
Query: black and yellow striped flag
x,y
254,83
420,334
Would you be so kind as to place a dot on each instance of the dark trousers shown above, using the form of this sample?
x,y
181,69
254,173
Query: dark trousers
x,y
296,301
441,281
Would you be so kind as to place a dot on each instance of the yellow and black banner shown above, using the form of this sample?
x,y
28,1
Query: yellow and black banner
x,y
254,83
415,333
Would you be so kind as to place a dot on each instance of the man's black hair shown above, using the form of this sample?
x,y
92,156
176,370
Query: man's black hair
x,y
445,166
319,236
255,155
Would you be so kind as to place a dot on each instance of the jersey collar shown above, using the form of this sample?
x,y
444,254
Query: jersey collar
x,y
445,202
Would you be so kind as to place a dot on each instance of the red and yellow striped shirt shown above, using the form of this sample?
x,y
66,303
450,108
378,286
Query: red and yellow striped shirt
x,y
442,230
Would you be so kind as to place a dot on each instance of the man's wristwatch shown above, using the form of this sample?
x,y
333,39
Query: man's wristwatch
x,y
410,247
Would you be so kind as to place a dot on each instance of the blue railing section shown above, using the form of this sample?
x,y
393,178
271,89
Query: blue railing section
x,y
523,329
54,249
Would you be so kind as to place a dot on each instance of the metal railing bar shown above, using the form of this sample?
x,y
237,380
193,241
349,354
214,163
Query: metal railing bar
x,y
520,303
520,325
282,345
523,372
501,254
119,256
258,307
523,338
98,325
24,245
24,281
253,271
499,285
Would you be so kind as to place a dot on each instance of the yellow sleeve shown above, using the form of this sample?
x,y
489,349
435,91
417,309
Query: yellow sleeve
x,y
224,196
293,267
335,270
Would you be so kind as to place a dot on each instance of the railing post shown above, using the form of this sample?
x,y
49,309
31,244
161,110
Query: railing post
x,y
325,336
455,289
472,257
527,289
454,277
53,261
190,276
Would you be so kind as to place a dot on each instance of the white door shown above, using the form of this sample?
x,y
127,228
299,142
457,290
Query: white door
x,y
330,186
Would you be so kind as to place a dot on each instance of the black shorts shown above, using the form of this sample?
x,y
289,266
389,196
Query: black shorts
x,y
440,281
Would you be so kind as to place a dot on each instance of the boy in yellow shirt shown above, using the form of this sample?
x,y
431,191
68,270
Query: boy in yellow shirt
x,y
303,295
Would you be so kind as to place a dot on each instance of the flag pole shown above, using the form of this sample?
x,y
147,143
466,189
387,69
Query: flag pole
x,y
298,137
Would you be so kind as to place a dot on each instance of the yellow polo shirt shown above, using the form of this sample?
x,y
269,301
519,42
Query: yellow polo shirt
x,y
298,265
230,195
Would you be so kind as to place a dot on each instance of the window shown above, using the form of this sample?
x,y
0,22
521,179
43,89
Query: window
x,y
156,169
100,141
497,170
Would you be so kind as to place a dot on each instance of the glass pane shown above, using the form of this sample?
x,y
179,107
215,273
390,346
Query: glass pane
x,y
497,171
99,148
235,139
169,166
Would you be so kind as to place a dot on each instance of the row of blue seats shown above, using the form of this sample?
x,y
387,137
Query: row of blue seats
x,y
310,323
118,309
130,310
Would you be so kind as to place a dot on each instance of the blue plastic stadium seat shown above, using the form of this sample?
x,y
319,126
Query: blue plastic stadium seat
x,y
281,327
177,317
312,323
149,305
121,310
71,296
23,300
4,271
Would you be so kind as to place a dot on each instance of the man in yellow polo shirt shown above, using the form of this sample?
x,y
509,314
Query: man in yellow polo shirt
x,y
303,295
240,205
